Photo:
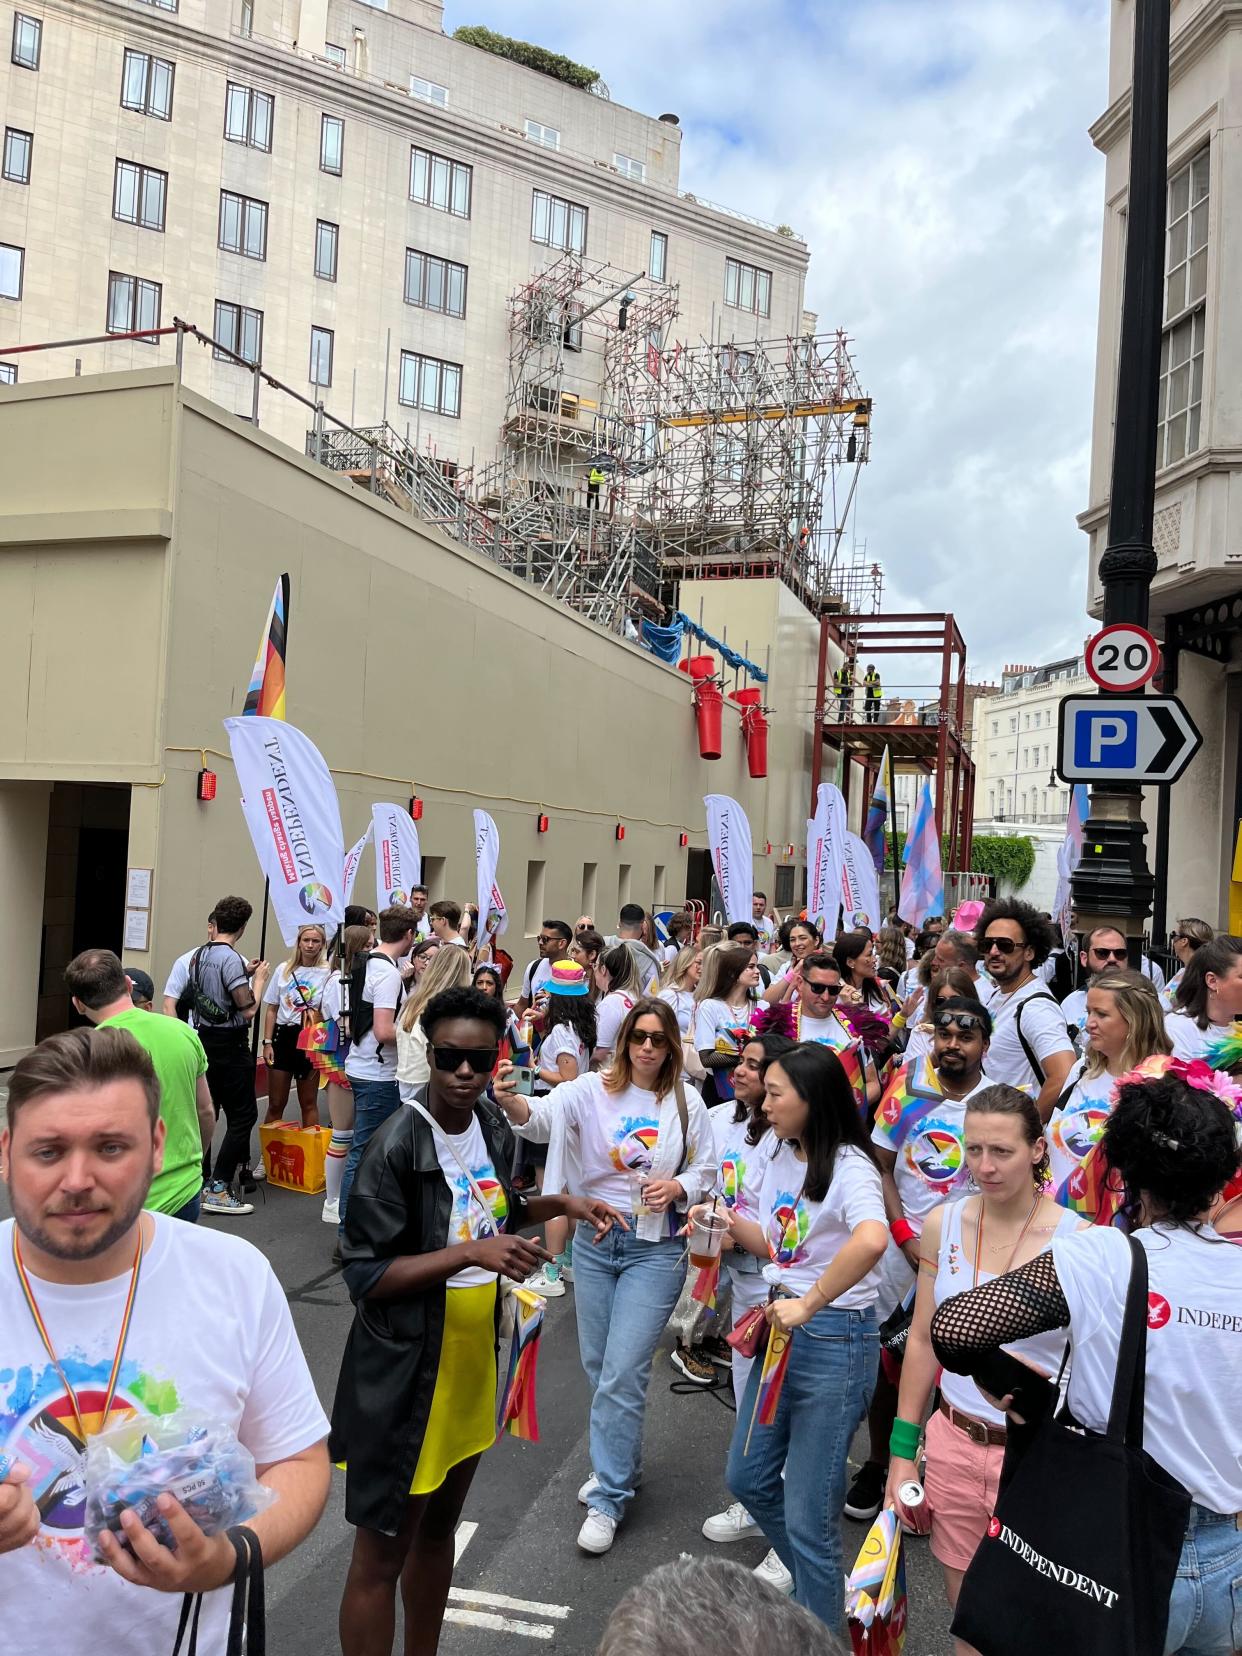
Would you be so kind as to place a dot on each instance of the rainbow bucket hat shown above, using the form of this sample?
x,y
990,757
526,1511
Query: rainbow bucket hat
x,y
568,978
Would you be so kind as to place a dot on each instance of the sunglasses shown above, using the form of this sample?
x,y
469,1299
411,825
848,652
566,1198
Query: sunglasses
x,y
963,1022
644,1037
1004,945
550,938
480,1059
1111,954
821,989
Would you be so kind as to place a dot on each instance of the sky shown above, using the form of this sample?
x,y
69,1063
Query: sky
x,y
934,156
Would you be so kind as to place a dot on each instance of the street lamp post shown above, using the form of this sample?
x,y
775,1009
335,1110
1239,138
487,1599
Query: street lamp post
x,y
1112,882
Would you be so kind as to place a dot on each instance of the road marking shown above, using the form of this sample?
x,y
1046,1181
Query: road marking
x,y
500,1624
499,1601
462,1539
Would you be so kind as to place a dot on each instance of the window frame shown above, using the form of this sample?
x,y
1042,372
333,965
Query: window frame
x,y
567,209
145,175
316,333
254,100
341,62
235,353
629,166
10,133
739,275
244,205
1179,431
540,133
13,247
36,25
137,286
146,106
429,96
456,171
162,5
449,268
660,236
326,123
419,362
328,224
8,373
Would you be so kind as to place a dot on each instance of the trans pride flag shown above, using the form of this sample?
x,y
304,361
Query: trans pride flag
x,y
265,694
1068,858
922,884
875,1592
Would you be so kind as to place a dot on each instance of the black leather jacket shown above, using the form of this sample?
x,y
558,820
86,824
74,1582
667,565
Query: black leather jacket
x,y
399,1205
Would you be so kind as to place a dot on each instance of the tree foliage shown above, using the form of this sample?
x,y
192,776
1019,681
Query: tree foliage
x,y
530,56
1010,859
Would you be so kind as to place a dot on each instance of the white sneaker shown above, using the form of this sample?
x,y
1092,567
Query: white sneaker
x,y
775,1574
588,1489
218,1198
547,1280
331,1214
733,1524
597,1532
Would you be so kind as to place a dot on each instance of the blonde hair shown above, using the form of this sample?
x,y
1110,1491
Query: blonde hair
x,y
295,958
1140,1007
450,968
677,970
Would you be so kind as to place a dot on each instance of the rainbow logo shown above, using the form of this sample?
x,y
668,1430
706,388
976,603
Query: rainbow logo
x,y
635,1146
1076,1134
398,898
787,1228
315,897
937,1154
732,1177
494,1191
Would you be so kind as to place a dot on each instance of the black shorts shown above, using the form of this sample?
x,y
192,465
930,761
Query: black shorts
x,y
285,1054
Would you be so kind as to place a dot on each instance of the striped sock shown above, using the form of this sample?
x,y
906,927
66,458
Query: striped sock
x,y
334,1162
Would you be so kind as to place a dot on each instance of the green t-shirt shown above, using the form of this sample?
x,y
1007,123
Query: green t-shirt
x,y
179,1060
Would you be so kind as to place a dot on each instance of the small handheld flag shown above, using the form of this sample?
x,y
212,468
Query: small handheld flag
x,y
517,1411
877,813
706,1285
771,1379
266,692
875,1591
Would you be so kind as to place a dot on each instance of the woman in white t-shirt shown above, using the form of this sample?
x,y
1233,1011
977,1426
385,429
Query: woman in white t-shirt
x,y
963,1244
798,938
1174,1145
680,982
616,978
722,1014
1209,998
1124,1025
295,996
639,1134
449,969
821,1226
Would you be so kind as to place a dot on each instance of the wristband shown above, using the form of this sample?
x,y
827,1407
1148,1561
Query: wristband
x,y
899,1020
902,1231
904,1439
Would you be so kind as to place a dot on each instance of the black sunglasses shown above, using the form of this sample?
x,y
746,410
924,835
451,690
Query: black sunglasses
x,y
480,1059
822,988
1006,945
1111,954
965,1021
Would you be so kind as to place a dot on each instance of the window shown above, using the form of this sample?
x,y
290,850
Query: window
x,y
248,117
17,148
8,373
335,54
437,182
132,304
624,882
540,134
243,225
147,85
27,41
1185,312
326,238
139,195
12,266
321,356
428,383
164,5
247,18
536,873
590,886
995,727
434,284
1026,721
657,259
748,288
428,91
557,223
331,144
240,331
629,168
784,894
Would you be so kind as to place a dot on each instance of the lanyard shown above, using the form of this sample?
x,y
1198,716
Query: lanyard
x,y
1013,1251
126,1316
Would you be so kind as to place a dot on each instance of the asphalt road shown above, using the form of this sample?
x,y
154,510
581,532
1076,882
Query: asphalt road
x,y
521,1584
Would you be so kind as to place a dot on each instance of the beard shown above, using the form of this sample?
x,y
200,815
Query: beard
x,y
71,1248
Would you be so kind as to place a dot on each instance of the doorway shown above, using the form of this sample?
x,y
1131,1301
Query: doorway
x,y
699,877
84,888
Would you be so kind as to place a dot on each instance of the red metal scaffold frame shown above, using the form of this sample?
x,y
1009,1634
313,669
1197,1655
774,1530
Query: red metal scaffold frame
x,y
935,745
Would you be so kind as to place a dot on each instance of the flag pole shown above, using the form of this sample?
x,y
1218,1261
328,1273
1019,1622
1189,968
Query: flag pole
x,y
892,819
257,1020
275,638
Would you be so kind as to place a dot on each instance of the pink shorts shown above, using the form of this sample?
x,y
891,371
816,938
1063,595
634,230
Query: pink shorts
x,y
961,1481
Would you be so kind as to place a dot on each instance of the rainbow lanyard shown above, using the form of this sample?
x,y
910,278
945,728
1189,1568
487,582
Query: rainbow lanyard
x,y
39,1323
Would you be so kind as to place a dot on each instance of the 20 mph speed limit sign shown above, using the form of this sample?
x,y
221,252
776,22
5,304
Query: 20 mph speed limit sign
x,y
1122,657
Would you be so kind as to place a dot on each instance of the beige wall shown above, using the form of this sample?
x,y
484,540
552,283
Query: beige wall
x,y
413,665
23,851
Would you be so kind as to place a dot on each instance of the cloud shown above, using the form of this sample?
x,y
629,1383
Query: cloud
x,y
934,156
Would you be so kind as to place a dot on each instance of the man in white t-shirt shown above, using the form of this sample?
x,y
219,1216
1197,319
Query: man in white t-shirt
x,y
210,1330
418,906
444,919
1102,947
815,1019
372,1062
765,925
555,936
1030,1043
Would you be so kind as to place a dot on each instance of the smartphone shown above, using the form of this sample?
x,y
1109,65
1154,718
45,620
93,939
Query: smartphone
x,y
523,1080
1000,1374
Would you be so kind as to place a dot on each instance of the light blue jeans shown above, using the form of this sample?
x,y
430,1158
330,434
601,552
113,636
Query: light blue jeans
x,y
1205,1611
828,1386
624,1294
374,1102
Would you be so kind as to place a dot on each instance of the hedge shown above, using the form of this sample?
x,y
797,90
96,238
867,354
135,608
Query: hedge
x,y
1009,858
531,57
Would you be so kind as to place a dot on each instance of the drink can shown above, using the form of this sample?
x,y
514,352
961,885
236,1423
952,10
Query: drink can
x,y
910,1494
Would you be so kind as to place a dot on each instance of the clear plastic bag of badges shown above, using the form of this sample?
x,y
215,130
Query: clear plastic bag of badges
x,y
185,1454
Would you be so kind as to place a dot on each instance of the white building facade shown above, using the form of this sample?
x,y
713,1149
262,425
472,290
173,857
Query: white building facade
x,y
341,192
1015,746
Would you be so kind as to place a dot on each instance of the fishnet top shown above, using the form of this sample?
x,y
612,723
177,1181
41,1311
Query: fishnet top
x,y
1010,1307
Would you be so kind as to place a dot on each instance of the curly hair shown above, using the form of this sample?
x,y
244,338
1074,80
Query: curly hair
x,y
1172,1143
1040,936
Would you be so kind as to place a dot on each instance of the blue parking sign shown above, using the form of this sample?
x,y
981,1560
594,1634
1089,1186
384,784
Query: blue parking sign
x,y
1124,739
1102,739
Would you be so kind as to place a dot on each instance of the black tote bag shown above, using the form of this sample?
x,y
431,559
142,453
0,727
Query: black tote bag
x,y
1081,1553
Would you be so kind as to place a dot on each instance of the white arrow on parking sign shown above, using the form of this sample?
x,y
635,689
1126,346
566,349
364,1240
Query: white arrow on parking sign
x,y
1125,739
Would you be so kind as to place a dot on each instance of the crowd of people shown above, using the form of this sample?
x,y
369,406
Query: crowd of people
x,y
909,1148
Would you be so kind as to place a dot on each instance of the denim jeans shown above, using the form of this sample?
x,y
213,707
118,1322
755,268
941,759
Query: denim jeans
x,y
190,1211
374,1102
828,1386
624,1294
1205,1611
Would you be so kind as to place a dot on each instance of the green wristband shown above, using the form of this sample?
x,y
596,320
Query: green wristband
x,y
904,1439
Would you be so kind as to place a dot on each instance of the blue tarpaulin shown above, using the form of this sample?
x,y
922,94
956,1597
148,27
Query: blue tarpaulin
x,y
665,642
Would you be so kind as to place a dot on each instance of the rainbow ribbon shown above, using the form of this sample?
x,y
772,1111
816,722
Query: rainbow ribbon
x,y
1090,1191
912,1094
517,1412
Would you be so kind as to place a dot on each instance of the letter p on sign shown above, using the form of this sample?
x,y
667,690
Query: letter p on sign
x,y
1109,736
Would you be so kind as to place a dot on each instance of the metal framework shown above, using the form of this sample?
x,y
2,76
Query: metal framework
x,y
929,741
